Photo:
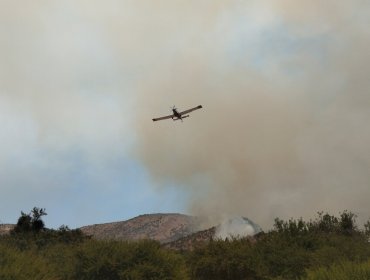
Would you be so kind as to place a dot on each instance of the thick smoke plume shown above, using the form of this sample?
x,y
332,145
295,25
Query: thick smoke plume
x,y
284,130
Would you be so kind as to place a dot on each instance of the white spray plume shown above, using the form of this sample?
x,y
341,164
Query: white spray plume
x,y
236,227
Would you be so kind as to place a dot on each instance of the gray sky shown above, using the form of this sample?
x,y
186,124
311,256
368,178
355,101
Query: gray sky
x,y
284,130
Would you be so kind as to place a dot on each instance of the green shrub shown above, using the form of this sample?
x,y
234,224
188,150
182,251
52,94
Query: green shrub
x,y
341,271
23,265
124,260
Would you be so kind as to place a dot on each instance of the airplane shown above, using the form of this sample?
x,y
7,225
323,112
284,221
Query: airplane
x,y
177,115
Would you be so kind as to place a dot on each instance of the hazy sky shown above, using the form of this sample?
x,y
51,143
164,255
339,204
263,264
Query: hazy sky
x,y
284,130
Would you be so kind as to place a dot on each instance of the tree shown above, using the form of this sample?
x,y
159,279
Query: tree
x,y
37,223
32,221
24,223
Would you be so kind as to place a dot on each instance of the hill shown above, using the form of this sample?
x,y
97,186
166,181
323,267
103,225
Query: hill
x,y
160,227
176,231
6,228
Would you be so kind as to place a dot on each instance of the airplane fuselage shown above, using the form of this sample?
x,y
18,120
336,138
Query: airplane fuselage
x,y
177,114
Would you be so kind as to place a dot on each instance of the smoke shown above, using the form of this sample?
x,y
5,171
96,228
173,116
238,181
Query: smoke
x,y
236,227
284,87
284,127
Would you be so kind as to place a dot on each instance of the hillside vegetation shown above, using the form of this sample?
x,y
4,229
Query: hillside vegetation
x,y
328,247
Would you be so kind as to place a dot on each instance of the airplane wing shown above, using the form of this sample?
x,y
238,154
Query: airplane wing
x,y
190,110
163,118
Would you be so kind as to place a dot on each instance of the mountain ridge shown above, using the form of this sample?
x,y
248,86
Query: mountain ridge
x,y
172,230
162,227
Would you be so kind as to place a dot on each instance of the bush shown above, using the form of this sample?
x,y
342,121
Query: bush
x,y
341,271
23,265
124,260
286,252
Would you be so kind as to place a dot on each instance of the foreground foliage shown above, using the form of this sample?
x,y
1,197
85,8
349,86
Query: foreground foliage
x,y
90,259
294,249
327,248
341,271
